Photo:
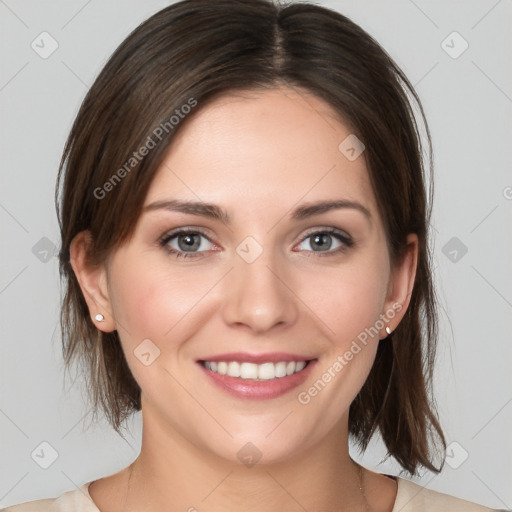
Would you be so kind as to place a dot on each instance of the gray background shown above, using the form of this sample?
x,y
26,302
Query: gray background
x,y
468,101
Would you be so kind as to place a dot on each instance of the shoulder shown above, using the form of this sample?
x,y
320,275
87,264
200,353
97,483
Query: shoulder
x,y
412,497
77,500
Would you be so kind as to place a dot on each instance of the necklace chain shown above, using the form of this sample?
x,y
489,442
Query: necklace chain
x,y
365,506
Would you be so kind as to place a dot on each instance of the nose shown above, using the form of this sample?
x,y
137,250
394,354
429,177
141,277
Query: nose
x,y
258,295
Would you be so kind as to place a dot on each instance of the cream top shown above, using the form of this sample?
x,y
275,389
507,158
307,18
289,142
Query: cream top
x,y
411,497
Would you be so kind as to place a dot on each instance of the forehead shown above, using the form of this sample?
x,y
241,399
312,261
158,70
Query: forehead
x,y
274,148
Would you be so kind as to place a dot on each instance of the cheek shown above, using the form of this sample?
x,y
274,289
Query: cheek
x,y
349,302
348,299
148,300
350,312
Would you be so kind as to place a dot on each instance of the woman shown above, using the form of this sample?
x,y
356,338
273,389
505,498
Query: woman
x,y
244,222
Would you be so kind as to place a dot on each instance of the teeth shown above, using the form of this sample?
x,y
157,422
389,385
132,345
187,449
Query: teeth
x,y
234,369
265,371
248,371
280,369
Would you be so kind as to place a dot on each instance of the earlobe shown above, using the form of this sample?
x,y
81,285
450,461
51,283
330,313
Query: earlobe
x,y
93,282
401,284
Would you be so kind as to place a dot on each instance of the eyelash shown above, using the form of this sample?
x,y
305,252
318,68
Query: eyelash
x,y
340,235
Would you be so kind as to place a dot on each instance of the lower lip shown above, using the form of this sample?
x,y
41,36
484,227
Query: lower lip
x,y
258,389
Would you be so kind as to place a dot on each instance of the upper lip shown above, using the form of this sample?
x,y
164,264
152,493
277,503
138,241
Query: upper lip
x,y
244,357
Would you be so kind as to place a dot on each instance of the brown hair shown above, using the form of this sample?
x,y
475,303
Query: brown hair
x,y
194,51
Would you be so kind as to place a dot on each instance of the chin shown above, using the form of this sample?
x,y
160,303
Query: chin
x,y
256,446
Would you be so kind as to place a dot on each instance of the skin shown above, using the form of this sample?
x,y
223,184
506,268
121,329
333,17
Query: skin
x,y
259,156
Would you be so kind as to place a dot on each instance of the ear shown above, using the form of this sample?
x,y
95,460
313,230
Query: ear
x,y
401,285
92,280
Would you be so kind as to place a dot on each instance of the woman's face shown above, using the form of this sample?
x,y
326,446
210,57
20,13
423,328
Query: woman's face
x,y
277,282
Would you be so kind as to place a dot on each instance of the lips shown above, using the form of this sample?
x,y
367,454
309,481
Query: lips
x,y
257,376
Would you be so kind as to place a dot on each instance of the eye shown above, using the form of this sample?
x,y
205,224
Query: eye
x,y
325,239
185,243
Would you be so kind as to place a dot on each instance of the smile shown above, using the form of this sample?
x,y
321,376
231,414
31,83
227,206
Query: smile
x,y
256,376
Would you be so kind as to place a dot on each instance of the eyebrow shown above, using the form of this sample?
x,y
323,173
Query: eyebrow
x,y
214,211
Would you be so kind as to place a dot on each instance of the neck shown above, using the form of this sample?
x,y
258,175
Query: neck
x,y
172,473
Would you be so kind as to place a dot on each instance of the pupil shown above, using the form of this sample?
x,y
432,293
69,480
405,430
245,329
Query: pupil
x,y
189,241
320,241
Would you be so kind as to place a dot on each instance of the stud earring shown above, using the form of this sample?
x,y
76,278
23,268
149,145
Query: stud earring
x,y
388,330
99,317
